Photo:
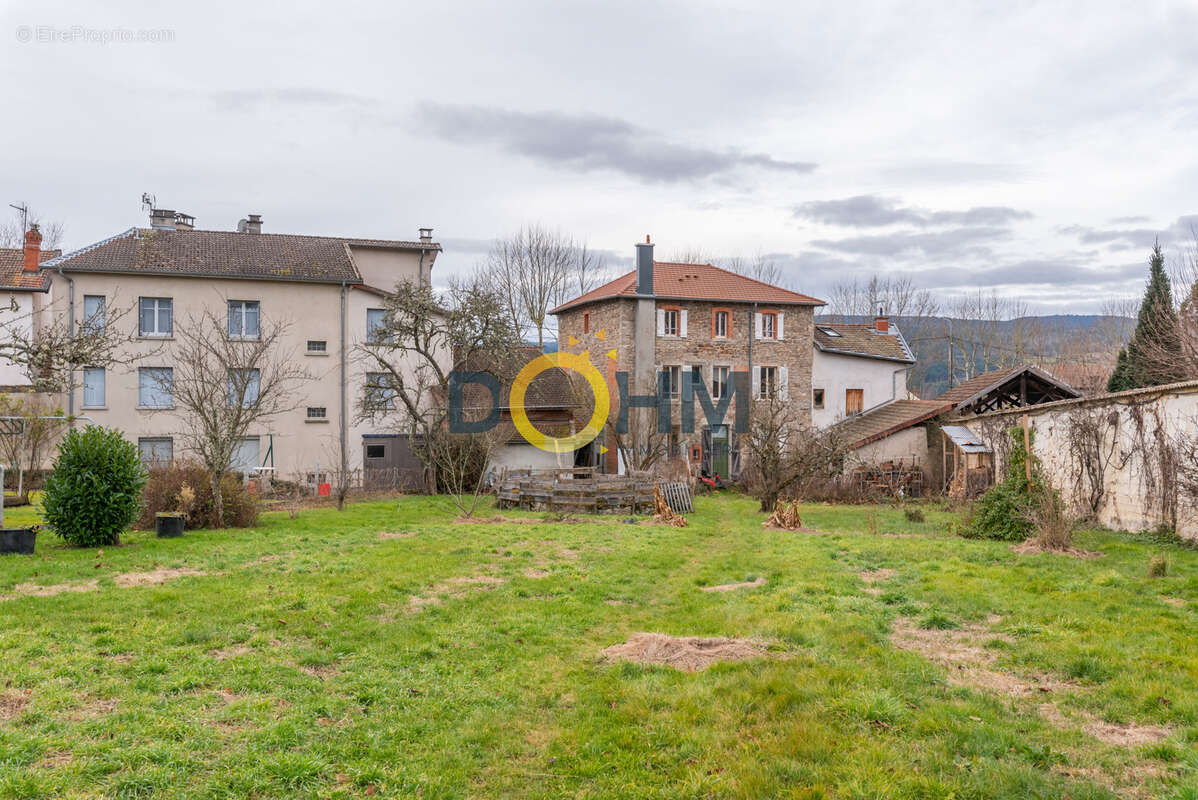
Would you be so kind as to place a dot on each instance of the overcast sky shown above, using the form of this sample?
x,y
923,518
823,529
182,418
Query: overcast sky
x,y
1036,148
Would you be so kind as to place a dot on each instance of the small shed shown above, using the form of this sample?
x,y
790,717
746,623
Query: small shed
x,y
971,460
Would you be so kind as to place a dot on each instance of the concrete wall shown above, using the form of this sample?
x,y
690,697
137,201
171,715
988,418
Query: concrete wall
x,y
908,444
20,313
525,456
1133,426
880,381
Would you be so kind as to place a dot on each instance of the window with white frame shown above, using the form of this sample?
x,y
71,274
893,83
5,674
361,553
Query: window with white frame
x,y
93,387
155,387
376,318
244,319
670,318
719,381
95,313
671,380
156,451
719,324
243,387
155,316
769,326
767,383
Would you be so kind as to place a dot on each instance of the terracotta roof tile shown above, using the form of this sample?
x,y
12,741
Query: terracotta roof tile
x,y
862,340
675,281
269,256
13,274
888,419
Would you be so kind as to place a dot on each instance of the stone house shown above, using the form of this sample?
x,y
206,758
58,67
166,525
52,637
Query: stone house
x,y
29,300
666,325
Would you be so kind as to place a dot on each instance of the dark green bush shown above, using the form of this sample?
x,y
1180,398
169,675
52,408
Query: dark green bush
x,y
1007,510
162,494
94,491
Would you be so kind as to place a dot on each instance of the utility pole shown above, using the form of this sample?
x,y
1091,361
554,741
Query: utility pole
x,y
950,352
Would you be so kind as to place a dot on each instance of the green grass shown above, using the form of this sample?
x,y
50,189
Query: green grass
x,y
296,667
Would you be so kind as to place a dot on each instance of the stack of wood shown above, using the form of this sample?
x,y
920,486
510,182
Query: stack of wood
x,y
665,514
785,516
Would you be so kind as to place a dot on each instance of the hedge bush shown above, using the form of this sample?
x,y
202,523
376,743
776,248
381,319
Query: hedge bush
x,y
162,494
1006,511
94,491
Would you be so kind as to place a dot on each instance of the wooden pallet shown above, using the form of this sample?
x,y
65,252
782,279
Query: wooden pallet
x,y
678,497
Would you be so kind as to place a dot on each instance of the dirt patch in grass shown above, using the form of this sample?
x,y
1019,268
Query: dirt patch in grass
x,y
498,520
730,587
129,579
1127,734
873,576
91,708
41,590
322,671
232,652
685,653
1176,602
963,653
800,529
12,703
396,534
1032,547
536,574
55,760
453,587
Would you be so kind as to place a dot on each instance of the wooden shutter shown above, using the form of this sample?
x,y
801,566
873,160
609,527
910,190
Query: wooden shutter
x,y
755,383
783,379
757,325
779,325
853,401
661,322
682,323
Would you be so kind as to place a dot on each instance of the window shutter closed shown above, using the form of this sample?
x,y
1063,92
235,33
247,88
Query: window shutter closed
x,y
783,372
755,380
661,322
781,316
682,323
756,325
657,376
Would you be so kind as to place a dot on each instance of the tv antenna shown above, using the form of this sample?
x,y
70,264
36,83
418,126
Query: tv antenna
x,y
148,201
24,209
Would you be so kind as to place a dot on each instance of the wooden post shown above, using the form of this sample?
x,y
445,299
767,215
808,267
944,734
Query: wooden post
x,y
1027,452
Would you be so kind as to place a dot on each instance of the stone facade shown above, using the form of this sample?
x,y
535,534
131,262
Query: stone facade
x,y
615,320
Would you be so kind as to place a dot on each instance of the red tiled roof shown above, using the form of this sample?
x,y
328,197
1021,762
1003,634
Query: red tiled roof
x,y
862,340
269,256
675,281
889,419
13,275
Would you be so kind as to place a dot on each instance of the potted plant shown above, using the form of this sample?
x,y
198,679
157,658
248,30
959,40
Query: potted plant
x,y
18,540
169,524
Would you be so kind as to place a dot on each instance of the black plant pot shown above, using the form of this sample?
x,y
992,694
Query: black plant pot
x,y
17,540
168,526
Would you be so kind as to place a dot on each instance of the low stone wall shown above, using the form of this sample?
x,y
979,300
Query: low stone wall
x,y
1122,458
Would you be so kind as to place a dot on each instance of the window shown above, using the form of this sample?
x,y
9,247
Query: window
x,y
155,387
817,398
375,320
696,376
671,323
380,393
671,380
317,346
243,387
156,451
95,313
155,316
854,401
586,322
245,455
768,383
376,451
769,326
829,332
719,381
243,319
317,412
719,324
93,387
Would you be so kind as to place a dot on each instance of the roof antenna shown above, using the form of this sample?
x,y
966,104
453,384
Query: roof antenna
x,y
148,201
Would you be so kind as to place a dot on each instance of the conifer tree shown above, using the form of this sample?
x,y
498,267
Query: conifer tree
x,y
1154,353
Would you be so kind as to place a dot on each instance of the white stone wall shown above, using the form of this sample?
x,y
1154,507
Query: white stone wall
x,y
1132,495
907,445
881,381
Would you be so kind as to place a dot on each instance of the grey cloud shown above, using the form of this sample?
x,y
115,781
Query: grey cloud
x,y
1181,229
871,211
1127,220
953,242
588,142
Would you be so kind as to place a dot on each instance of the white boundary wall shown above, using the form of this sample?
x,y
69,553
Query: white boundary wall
x,y
1135,427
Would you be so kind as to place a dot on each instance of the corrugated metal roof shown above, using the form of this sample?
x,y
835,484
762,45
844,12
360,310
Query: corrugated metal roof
x,y
964,438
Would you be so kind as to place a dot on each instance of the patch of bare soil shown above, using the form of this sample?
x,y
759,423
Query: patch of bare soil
x,y
454,587
1127,734
1176,602
129,579
498,519
615,602
876,575
1032,547
322,671
232,652
968,662
41,590
92,707
729,587
800,529
687,653
396,534
12,703
536,573
55,760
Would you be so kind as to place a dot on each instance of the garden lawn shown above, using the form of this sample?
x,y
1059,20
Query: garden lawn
x,y
314,657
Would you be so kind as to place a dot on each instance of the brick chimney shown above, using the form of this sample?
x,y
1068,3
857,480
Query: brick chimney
x,y
252,224
33,249
881,322
426,235
644,268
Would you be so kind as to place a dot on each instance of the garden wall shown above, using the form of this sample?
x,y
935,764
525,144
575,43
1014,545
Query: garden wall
x,y
1128,460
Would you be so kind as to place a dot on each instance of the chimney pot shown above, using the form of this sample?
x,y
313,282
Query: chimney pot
x,y
644,268
252,224
426,235
162,219
33,249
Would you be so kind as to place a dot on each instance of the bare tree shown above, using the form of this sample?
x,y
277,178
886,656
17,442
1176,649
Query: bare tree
x,y
536,269
223,385
12,232
40,423
787,454
411,354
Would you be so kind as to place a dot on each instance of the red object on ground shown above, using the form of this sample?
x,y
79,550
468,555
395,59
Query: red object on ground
x,y
324,489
